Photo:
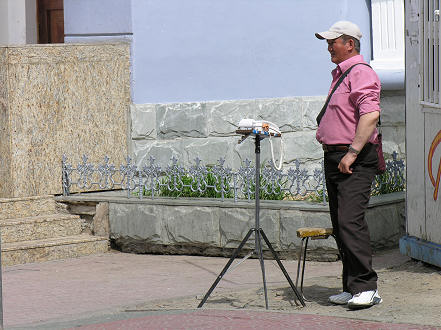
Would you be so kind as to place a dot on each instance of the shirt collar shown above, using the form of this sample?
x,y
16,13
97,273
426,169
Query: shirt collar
x,y
343,66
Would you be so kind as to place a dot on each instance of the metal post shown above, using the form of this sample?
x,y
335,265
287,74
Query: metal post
x,y
258,241
257,193
64,177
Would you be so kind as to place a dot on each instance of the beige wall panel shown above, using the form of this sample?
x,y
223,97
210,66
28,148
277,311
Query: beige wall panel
x,y
5,159
65,99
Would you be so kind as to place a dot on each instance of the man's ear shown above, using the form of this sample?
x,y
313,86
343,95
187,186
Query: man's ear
x,y
351,45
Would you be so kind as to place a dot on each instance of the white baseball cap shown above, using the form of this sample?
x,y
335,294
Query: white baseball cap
x,y
340,28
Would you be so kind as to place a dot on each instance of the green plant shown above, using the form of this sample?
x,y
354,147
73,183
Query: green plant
x,y
387,183
187,186
316,197
271,190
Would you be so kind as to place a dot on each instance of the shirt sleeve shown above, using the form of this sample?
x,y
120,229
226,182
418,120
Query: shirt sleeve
x,y
365,90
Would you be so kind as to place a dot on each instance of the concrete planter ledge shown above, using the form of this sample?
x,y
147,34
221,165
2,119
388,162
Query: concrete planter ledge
x,y
212,227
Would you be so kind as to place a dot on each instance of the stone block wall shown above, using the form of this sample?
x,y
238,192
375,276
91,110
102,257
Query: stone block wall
x,y
393,116
207,129
60,99
214,227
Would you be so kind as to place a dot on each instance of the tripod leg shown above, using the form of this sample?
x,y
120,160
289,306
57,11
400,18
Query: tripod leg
x,y
262,265
235,253
282,268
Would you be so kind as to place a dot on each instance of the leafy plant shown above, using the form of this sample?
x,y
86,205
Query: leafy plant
x,y
316,197
189,186
271,190
387,183
205,186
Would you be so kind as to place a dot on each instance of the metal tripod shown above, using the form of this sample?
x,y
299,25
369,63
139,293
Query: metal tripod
x,y
258,235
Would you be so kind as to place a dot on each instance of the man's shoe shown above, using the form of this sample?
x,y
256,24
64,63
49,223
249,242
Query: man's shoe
x,y
340,299
365,299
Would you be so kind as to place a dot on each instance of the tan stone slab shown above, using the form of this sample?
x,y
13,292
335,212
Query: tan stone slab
x,y
51,242
26,207
61,99
59,53
40,227
5,146
53,249
3,54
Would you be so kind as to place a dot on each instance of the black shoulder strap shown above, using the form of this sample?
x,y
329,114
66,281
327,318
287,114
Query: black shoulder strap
x,y
322,112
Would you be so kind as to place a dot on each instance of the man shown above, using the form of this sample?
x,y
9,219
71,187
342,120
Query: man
x,y
347,132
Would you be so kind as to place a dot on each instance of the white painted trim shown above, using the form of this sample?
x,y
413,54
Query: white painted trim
x,y
388,42
18,22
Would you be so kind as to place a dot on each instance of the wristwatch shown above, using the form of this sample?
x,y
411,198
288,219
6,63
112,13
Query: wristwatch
x,y
353,150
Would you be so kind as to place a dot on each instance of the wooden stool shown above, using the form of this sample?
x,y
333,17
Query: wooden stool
x,y
306,234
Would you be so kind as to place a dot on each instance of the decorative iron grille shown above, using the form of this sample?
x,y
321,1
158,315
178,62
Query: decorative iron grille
x,y
218,181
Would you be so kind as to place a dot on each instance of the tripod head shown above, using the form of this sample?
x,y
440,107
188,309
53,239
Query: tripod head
x,y
261,129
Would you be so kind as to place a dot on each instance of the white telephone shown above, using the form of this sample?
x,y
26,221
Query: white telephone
x,y
265,129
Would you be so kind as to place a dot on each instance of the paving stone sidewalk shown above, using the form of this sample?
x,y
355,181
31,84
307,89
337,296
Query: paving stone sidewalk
x,y
127,291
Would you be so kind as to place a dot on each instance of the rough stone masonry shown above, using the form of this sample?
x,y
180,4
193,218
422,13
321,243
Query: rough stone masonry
x,y
207,130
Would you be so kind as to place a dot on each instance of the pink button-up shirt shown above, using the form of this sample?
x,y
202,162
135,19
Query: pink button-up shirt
x,y
358,94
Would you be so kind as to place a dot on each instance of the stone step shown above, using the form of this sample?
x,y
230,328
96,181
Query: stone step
x,y
27,206
40,227
52,249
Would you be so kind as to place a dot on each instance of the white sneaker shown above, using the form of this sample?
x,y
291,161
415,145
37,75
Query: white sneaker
x,y
365,299
341,298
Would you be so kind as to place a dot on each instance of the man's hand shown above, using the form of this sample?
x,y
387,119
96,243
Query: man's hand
x,y
346,162
365,127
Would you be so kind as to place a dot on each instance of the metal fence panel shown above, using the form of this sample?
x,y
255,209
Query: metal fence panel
x,y
218,181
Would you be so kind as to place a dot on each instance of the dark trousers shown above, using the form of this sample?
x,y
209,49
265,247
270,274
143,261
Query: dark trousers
x,y
348,199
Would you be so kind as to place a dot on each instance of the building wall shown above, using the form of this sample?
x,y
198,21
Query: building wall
x,y
94,20
235,49
4,29
195,50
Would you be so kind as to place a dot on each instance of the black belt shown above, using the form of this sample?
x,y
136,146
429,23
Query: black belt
x,y
335,147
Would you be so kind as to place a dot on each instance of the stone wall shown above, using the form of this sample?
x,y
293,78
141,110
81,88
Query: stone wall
x,y
393,116
212,227
206,129
60,99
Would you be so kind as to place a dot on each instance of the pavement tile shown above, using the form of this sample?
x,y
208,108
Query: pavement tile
x,y
215,319
127,291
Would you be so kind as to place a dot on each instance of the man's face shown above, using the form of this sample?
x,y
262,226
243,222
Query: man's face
x,y
339,50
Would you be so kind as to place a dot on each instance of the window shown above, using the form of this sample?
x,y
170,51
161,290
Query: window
x,y
430,80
